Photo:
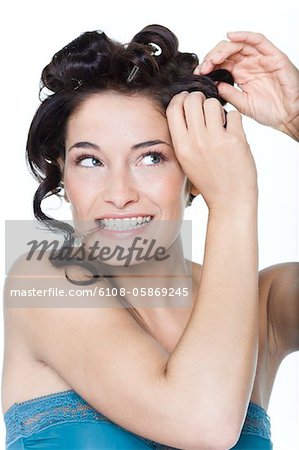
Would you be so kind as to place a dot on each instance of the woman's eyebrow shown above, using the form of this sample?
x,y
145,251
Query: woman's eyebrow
x,y
85,144
148,144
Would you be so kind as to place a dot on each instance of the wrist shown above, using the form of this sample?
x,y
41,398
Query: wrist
x,y
291,127
242,207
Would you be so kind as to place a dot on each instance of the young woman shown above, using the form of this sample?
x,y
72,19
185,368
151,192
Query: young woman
x,y
132,133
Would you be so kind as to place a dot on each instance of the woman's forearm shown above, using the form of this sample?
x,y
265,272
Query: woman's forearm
x,y
214,362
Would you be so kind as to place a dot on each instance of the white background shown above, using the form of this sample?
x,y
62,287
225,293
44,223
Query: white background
x,y
33,31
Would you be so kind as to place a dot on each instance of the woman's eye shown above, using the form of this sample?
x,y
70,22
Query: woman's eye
x,y
153,158
88,161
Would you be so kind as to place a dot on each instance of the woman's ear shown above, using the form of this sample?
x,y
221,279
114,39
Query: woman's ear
x,y
60,163
61,167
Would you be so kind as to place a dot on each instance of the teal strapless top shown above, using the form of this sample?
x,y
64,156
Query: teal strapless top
x,y
65,421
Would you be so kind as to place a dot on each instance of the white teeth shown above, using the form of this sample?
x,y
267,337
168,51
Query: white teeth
x,y
126,223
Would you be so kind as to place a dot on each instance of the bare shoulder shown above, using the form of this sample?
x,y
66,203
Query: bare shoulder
x,y
282,281
24,376
28,282
34,265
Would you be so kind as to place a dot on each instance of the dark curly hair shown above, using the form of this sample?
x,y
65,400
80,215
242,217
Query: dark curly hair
x,y
93,63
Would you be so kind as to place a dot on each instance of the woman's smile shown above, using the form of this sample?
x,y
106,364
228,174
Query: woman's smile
x,y
123,228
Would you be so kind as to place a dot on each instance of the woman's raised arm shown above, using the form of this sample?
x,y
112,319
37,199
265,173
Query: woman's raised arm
x,y
216,355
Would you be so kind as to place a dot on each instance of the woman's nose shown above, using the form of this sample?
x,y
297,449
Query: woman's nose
x,y
120,189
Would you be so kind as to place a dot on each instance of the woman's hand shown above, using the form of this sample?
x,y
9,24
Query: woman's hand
x,y
217,160
269,82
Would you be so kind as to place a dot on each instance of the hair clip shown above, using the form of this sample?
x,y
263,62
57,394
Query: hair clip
x,y
79,83
132,73
157,49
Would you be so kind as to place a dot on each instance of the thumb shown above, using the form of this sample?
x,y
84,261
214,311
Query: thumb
x,y
232,95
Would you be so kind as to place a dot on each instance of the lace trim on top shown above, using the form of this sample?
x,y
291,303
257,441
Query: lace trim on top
x,y
257,422
28,417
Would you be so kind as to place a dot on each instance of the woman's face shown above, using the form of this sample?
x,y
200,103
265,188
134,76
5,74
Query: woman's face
x,y
120,162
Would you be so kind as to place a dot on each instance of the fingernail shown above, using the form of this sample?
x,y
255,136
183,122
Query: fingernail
x,y
203,66
215,55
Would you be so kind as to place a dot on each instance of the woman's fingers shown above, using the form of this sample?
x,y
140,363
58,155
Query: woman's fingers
x,y
192,112
232,95
234,123
258,40
191,115
203,115
214,116
214,159
241,43
223,51
193,108
176,117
